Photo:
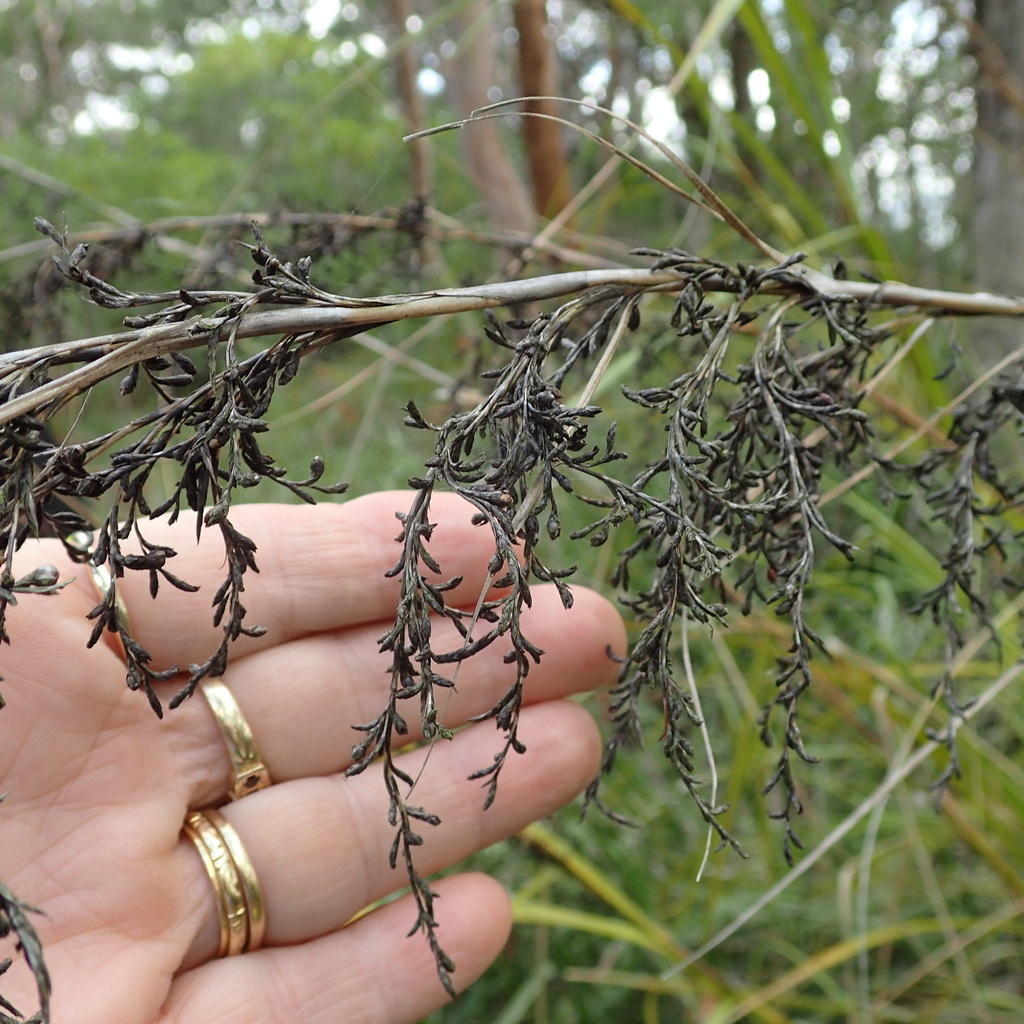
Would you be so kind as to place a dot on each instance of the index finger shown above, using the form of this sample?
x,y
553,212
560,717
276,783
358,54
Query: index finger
x,y
321,567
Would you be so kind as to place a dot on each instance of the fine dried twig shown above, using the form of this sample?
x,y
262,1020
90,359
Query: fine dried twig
x,y
14,919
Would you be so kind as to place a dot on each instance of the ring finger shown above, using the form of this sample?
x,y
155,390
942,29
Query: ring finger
x,y
320,846
302,699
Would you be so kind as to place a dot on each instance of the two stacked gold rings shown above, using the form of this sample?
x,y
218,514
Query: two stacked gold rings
x,y
241,911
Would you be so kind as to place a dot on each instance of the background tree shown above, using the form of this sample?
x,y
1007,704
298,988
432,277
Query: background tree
x,y
538,76
829,129
997,43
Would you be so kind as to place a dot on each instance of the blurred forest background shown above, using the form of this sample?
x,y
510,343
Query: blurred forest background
x,y
885,134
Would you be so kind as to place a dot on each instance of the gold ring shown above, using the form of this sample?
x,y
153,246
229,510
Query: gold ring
x,y
254,905
250,773
241,911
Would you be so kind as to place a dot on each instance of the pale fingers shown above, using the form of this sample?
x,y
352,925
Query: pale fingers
x,y
320,846
372,972
302,699
320,568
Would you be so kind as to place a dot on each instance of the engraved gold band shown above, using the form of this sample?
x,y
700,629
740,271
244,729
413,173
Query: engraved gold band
x,y
241,912
249,771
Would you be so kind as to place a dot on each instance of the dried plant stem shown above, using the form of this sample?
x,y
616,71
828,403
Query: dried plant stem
x,y
925,428
107,355
709,750
746,403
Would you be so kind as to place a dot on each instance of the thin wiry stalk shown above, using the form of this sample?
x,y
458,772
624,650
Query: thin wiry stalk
x,y
709,749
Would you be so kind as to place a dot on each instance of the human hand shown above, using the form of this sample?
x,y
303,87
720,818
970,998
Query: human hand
x,y
97,787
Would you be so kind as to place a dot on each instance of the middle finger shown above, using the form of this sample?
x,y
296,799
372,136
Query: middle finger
x,y
302,699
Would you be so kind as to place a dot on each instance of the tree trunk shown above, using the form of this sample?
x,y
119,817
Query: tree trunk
x,y
406,67
538,76
998,220
471,74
